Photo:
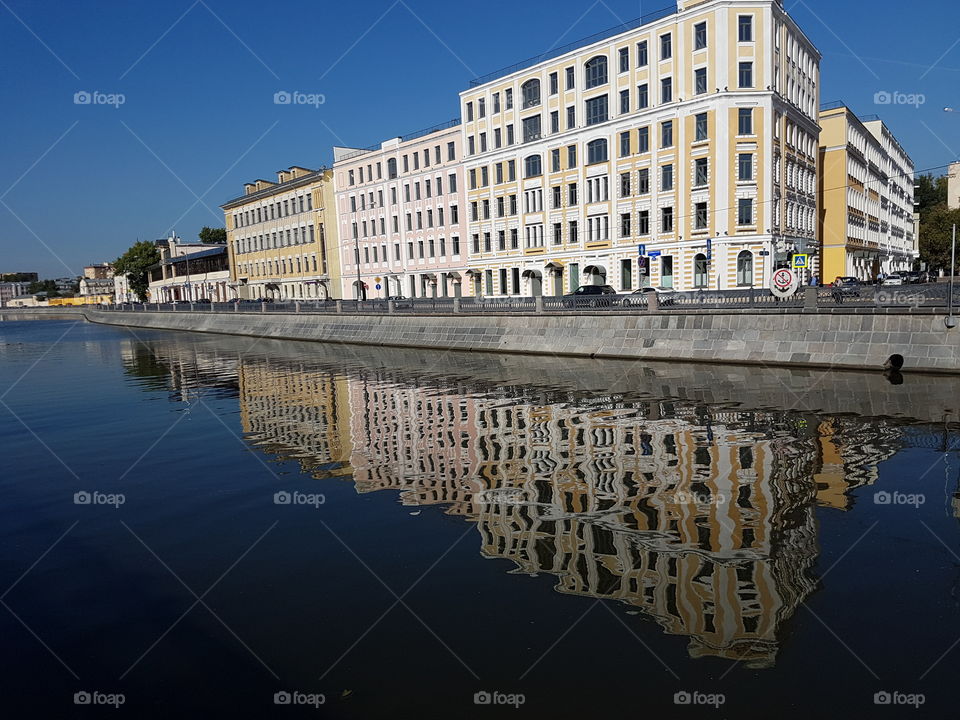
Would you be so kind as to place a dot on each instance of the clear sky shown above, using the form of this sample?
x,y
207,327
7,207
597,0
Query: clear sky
x,y
198,119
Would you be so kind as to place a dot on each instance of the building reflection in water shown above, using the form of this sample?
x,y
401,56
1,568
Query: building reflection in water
x,y
698,518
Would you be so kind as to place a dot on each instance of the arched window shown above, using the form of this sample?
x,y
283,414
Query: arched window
x,y
596,71
391,168
532,166
530,91
745,268
700,270
597,151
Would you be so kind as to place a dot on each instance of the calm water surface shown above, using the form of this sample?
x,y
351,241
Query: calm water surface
x,y
399,531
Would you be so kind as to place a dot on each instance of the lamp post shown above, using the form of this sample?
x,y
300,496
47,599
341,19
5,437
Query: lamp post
x,y
951,321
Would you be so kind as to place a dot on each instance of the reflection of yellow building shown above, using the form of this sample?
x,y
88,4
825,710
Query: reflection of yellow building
x,y
283,238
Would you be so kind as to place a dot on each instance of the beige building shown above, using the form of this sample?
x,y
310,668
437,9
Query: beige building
x,y
866,198
282,237
953,186
679,153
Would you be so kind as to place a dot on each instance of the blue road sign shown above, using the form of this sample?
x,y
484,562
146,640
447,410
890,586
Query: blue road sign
x,y
654,253
641,249
709,249
379,286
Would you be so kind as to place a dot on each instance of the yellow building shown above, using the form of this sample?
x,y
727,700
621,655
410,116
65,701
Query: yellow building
x,y
282,237
866,198
679,153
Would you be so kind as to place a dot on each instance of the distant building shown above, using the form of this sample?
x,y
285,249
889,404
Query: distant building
x,y
953,186
282,237
27,277
102,271
67,284
866,198
27,300
99,286
190,272
10,290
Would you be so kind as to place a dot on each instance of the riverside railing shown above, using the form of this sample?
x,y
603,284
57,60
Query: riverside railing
x,y
909,298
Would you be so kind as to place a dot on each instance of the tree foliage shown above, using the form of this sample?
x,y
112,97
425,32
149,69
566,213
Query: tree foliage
x,y
936,221
213,235
134,263
44,286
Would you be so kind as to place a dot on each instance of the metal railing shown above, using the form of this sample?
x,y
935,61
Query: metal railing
x,y
862,298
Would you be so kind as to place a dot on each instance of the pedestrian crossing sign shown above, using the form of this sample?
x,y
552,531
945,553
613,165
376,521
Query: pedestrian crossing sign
x,y
801,262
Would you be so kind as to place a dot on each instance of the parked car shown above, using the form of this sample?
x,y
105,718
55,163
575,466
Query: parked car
x,y
846,286
928,276
911,277
665,296
399,302
893,279
203,300
591,296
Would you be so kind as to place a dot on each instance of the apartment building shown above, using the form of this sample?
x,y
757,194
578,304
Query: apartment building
x,y
399,206
282,244
866,189
680,153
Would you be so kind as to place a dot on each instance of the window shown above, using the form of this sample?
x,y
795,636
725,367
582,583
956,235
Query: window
x,y
625,143
571,156
530,92
643,222
699,36
555,121
572,194
483,142
643,96
531,128
514,239
532,166
666,177
597,110
745,26
511,170
555,194
643,139
745,121
666,271
746,75
595,72
508,98
452,184
574,237
642,58
625,225
745,211
624,60
700,171
700,270
745,268
571,117
471,146
745,166
597,151
496,103
643,181
700,81
501,240
555,160
481,112
700,216
510,138
554,84
497,137
700,127
666,90
624,102
571,74
666,220
666,134
469,112
557,233
666,46
625,184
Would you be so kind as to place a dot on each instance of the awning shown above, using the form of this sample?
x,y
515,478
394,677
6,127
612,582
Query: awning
x,y
429,276
594,270
454,275
553,265
473,272
530,273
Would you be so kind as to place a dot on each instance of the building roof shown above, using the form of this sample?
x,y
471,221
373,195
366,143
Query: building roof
x,y
219,250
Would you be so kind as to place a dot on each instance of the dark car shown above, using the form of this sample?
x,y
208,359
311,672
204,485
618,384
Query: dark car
x,y
911,277
399,302
591,296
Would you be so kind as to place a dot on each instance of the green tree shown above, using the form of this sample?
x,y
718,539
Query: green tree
x,y
134,263
936,229
930,192
213,235
44,286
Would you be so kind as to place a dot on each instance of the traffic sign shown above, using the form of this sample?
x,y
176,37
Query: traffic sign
x,y
641,249
785,283
378,279
379,286
801,261
653,253
763,253
709,249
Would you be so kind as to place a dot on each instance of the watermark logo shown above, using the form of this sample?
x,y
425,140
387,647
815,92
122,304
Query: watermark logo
x,y
295,97
298,498
95,697
685,697
895,697
899,298
498,698
98,498
691,498
503,496
95,97
898,498
895,97
296,697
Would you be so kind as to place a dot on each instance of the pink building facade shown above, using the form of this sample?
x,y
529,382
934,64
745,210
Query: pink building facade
x,y
401,212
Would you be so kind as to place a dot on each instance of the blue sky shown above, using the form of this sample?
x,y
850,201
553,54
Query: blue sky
x,y
83,181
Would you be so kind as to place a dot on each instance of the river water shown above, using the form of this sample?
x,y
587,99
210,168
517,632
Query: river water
x,y
210,526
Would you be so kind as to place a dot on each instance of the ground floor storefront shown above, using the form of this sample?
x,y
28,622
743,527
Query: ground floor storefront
x,y
308,287
213,287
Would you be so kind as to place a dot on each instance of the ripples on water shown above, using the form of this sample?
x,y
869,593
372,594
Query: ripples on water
x,y
705,529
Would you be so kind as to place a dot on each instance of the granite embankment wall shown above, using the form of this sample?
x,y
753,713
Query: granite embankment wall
x,y
855,340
